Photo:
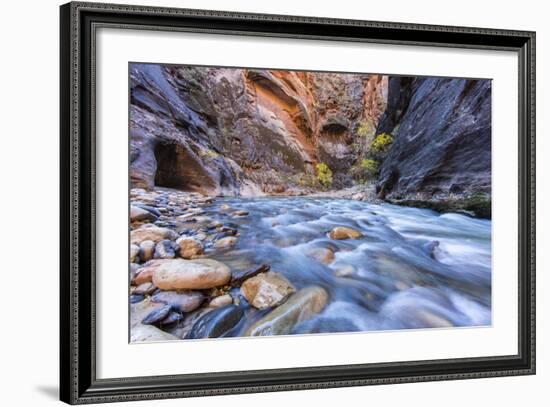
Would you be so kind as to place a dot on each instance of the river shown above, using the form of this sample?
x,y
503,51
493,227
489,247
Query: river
x,y
413,268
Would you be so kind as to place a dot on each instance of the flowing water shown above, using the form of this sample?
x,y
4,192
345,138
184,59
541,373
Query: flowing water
x,y
413,268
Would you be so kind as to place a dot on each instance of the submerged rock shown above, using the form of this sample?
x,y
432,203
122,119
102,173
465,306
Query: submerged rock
x,y
322,254
343,232
225,242
299,307
267,290
216,323
179,274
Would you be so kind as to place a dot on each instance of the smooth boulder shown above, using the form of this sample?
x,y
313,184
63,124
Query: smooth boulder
x,y
300,307
200,274
151,232
267,290
216,323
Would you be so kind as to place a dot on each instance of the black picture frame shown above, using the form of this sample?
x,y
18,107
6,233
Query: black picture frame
x,y
78,381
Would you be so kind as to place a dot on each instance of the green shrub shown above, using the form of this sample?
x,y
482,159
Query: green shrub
x,y
365,170
324,175
364,129
382,143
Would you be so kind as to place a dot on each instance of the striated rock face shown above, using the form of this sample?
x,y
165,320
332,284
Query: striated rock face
x,y
441,155
232,131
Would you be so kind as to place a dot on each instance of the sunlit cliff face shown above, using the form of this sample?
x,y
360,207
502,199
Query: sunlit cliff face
x,y
225,130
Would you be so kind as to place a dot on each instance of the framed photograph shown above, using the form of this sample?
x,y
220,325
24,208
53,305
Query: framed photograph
x,y
255,203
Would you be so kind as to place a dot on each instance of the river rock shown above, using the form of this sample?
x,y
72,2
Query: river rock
x,y
346,270
143,276
225,242
134,252
135,298
138,214
146,250
240,213
155,211
164,250
151,232
145,273
144,289
216,323
221,301
343,232
179,274
189,247
237,277
322,255
172,318
149,333
299,307
156,315
267,290
184,301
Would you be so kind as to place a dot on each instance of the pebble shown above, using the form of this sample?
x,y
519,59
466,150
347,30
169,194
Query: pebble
x,y
138,214
146,250
225,242
164,250
189,247
157,315
144,288
135,298
221,301
134,252
172,318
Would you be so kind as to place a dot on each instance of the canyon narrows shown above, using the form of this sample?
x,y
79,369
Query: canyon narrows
x,y
263,202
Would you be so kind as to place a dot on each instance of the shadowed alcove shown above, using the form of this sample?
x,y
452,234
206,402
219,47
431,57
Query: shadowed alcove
x,y
180,168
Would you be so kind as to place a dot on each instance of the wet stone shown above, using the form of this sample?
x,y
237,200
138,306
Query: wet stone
x,y
157,315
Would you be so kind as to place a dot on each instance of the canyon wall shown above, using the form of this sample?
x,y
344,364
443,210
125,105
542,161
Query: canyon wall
x,y
247,131
441,155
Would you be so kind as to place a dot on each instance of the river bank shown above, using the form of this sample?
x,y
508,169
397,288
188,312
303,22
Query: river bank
x,y
220,267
